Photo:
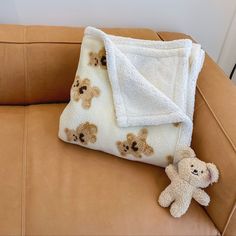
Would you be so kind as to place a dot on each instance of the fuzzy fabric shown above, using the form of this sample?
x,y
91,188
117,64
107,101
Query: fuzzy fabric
x,y
139,94
187,179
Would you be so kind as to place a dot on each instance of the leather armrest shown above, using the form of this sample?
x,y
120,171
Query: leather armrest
x,y
214,137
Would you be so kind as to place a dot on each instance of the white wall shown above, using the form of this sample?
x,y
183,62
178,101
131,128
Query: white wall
x,y
206,20
227,57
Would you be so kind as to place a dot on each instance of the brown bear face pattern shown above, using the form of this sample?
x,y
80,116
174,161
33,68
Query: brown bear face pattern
x,y
93,59
72,136
102,58
82,90
98,59
87,133
135,145
83,134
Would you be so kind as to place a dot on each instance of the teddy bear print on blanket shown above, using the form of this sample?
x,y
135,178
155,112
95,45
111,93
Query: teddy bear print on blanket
x,y
135,145
83,134
116,97
82,89
98,59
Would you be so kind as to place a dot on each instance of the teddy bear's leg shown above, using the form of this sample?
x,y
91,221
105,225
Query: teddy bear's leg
x,y
76,96
93,139
166,198
136,154
86,103
148,150
179,207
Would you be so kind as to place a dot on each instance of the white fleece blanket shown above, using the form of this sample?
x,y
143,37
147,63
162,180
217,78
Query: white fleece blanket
x,y
133,98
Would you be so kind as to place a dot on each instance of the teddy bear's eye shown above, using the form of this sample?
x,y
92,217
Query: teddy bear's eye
x,y
76,82
202,171
81,137
134,146
191,165
82,89
103,60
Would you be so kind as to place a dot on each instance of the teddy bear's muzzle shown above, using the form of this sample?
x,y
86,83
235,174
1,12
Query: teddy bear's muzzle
x,y
194,172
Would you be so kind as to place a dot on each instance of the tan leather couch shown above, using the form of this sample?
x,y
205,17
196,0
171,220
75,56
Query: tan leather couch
x,y
48,187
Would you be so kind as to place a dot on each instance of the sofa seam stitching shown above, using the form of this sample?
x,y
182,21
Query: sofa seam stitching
x,y
23,203
162,39
229,219
24,166
216,119
24,58
27,100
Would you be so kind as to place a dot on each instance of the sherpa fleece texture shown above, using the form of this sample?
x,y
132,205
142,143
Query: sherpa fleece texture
x,y
188,178
138,93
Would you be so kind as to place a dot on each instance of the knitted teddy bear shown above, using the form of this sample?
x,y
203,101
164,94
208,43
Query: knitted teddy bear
x,y
187,179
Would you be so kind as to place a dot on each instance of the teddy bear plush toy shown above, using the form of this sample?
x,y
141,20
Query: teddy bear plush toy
x,y
187,178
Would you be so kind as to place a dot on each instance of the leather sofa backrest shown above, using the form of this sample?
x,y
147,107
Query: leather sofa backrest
x,y
38,63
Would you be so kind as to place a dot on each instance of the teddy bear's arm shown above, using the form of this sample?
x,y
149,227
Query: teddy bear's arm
x,y
201,197
171,172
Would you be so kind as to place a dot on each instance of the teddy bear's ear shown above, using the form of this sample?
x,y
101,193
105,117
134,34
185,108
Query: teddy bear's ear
x,y
130,137
68,134
214,172
184,153
93,128
143,133
95,91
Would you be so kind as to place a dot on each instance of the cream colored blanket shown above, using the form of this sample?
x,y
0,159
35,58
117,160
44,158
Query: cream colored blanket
x,y
133,98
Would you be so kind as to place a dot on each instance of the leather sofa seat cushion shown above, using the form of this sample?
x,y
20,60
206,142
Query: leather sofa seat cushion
x,y
49,187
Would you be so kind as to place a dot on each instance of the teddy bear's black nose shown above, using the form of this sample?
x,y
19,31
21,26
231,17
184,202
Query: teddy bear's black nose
x,y
195,171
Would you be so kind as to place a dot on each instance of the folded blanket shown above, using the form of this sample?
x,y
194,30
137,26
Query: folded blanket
x,y
133,98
